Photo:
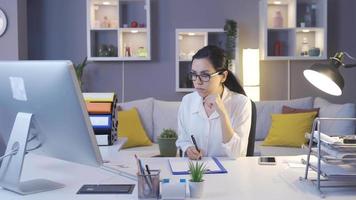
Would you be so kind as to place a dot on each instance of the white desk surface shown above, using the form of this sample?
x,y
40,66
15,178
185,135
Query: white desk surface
x,y
245,178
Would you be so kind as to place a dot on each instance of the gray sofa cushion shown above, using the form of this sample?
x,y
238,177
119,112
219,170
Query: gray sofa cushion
x,y
266,108
165,115
277,151
328,109
145,109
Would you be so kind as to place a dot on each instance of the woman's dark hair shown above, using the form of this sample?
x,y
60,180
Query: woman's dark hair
x,y
217,58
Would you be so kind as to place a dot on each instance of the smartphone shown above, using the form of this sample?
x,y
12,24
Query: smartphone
x,y
267,160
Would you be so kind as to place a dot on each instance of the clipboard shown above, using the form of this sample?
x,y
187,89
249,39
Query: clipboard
x,y
179,166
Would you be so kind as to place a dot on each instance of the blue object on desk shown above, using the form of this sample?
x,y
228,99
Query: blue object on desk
x,y
221,170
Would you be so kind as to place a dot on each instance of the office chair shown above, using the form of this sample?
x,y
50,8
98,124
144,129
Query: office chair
x,y
251,137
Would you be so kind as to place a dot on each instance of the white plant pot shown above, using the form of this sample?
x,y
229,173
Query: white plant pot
x,y
196,189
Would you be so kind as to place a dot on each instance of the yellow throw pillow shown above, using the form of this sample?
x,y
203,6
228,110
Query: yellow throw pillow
x,y
130,126
289,129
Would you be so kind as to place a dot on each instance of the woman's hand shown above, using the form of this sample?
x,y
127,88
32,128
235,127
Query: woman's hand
x,y
214,102
193,154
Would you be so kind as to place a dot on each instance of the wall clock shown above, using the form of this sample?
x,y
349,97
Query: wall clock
x,y
3,22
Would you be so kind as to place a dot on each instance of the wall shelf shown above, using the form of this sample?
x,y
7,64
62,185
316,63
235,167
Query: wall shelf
x,y
124,25
293,30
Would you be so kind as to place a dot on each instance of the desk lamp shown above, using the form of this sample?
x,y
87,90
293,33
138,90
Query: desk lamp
x,y
326,77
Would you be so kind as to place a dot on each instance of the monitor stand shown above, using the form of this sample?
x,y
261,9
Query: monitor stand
x,y
11,167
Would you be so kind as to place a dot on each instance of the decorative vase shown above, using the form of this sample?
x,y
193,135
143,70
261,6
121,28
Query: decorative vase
x,y
277,48
278,20
196,189
314,51
167,147
134,24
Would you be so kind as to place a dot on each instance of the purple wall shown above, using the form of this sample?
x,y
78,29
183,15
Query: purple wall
x,y
13,44
57,30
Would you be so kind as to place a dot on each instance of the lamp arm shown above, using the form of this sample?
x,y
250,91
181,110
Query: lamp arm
x,y
350,65
352,58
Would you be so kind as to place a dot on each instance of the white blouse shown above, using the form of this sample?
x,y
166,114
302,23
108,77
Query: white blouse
x,y
193,120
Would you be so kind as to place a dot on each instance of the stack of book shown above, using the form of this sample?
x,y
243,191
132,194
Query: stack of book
x,y
103,116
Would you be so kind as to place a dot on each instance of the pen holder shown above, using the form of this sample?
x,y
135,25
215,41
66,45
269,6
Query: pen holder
x,y
148,185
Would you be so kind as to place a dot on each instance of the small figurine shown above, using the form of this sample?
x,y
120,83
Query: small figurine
x,y
105,23
127,52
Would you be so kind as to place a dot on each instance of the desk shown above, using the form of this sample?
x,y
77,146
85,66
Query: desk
x,y
245,179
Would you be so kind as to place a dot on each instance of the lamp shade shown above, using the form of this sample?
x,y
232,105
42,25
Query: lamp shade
x,y
325,77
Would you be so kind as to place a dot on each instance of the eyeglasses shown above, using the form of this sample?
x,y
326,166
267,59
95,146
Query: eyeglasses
x,y
204,77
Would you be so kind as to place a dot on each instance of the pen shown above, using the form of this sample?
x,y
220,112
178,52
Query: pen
x,y
149,173
195,144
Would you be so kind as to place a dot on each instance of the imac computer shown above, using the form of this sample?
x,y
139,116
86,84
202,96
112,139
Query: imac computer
x,y
42,110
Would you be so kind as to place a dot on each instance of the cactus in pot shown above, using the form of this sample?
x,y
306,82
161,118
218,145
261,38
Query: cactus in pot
x,y
167,143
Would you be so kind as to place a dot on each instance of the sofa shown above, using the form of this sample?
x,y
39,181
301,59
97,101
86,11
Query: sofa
x,y
157,115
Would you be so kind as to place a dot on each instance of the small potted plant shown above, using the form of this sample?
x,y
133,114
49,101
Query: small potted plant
x,y
230,28
79,69
196,182
167,143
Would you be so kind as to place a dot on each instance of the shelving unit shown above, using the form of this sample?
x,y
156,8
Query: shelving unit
x,y
335,164
118,30
188,42
293,29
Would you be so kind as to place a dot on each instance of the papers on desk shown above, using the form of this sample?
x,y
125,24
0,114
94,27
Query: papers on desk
x,y
334,170
338,154
180,166
327,139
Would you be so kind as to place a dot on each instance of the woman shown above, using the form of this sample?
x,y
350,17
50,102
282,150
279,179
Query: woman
x,y
217,114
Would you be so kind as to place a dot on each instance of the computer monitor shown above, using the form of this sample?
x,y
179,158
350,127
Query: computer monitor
x,y
42,107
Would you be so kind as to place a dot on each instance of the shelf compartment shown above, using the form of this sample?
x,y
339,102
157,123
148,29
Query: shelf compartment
x,y
104,14
310,13
135,43
184,68
190,43
307,39
281,14
133,13
100,39
280,43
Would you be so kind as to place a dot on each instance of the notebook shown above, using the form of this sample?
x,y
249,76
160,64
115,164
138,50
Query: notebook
x,y
180,166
